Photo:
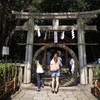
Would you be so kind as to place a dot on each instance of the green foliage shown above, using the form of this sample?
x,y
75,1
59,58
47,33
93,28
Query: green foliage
x,y
68,5
7,72
34,6
6,65
96,72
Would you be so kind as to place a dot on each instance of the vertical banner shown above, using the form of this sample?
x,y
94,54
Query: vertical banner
x,y
55,37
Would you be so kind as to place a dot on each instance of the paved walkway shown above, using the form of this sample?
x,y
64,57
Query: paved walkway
x,y
78,92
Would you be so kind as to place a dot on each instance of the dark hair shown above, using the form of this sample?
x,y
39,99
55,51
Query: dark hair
x,y
39,58
55,57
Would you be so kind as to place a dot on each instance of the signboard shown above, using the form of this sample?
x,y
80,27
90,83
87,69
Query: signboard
x,y
5,50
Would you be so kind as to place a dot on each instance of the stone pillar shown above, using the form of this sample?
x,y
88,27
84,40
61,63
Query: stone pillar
x,y
29,52
81,51
55,26
91,76
85,59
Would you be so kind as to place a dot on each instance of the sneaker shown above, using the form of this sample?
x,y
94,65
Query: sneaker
x,y
42,86
38,90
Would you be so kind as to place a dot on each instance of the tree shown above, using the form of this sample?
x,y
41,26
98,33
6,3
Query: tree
x,y
8,21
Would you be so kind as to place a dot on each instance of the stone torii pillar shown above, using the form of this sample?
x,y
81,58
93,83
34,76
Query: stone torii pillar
x,y
81,50
29,52
55,27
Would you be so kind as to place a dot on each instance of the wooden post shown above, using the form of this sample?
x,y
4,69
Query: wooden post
x,y
97,89
29,52
81,51
14,84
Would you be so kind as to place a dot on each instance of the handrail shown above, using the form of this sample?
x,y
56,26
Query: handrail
x,y
92,80
97,88
9,84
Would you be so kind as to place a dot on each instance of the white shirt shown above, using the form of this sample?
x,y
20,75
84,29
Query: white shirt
x,y
72,62
59,61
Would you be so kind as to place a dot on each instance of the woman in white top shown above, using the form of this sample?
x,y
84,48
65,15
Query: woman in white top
x,y
39,72
55,74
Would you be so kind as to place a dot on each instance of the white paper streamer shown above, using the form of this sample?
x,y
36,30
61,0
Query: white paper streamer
x,y
62,35
45,35
38,32
72,32
55,37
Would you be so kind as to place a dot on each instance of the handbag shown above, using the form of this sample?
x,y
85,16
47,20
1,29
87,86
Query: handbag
x,y
54,67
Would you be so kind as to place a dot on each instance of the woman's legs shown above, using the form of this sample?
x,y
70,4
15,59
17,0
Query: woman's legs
x,y
42,83
57,83
38,81
53,80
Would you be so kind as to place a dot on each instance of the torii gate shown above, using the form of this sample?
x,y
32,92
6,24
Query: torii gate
x,y
80,27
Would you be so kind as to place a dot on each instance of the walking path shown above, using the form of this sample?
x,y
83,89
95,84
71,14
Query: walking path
x,y
79,92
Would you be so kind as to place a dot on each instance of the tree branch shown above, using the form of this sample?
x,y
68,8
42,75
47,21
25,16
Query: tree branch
x,y
26,5
12,33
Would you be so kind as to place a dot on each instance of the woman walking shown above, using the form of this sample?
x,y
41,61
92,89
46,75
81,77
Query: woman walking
x,y
39,73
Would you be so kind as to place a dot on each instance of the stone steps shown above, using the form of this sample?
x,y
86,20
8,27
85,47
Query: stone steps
x,y
33,87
